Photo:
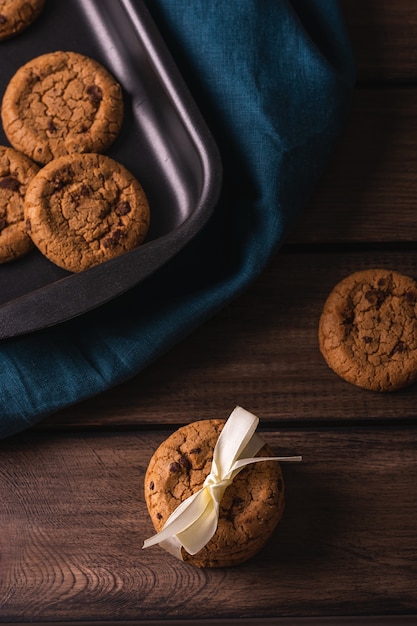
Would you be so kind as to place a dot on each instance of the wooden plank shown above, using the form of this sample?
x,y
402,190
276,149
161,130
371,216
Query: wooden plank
x,y
356,620
369,190
383,38
260,352
73,520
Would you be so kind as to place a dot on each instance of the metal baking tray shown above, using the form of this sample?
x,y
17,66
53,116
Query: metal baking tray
x,y
164,142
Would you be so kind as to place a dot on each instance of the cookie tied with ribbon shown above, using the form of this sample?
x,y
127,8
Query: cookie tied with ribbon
x,y
214,491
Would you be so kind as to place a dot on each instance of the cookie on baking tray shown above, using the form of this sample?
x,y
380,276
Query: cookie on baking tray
x,y
368,329
17,15
84,209
61,103
16,172
249,510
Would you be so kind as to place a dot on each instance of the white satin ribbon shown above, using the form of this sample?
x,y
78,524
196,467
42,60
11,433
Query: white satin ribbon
x,y
194,521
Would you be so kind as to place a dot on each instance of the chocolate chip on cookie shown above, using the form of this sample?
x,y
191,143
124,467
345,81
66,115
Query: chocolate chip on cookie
x,y
61,103
84,209
249,510
16,172
17,15
368,330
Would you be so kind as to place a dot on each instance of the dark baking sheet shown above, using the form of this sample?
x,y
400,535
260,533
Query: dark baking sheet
x,y
164,142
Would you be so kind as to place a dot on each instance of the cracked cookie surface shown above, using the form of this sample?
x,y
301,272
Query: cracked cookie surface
x,y
251,506
16,172
368,330
82,210
61,103
17,15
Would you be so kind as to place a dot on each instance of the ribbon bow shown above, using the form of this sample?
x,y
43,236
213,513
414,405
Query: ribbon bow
x,y
194,521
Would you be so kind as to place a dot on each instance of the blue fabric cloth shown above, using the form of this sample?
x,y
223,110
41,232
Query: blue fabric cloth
x,y
273,79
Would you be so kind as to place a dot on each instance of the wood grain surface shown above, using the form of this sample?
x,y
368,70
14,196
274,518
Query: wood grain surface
x,y
346,544
261,352
72,514
368,193
383,35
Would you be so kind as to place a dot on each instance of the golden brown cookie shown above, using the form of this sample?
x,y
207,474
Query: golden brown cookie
x,y
61,103
16,172
17,15
368,330
84,209
251,506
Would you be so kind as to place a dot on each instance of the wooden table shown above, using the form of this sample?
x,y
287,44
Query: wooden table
x,y
72,515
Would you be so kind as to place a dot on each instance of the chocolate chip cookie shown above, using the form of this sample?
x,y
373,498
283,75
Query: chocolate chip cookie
x,y
251,506
17,15
61,103
368,330
84,209
16,172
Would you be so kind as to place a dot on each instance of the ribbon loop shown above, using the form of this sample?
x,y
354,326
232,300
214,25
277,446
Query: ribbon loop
x,y
194,521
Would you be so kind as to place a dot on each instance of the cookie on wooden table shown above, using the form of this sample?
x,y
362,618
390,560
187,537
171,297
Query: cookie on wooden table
x,y
368,329
16,172
61,103
17,15
84,209
250,509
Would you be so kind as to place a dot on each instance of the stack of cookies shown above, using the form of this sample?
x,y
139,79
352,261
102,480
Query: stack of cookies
x,y
251,506
58,191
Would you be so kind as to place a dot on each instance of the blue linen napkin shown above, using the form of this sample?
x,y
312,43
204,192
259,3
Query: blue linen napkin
x,y
273,79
